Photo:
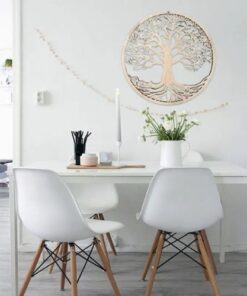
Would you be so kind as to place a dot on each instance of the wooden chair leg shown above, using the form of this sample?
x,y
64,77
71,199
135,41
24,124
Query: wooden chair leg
x,y
151,255
156,264
74,290
60,251
108,235
208,265
109,238
107,267
57,250
31,269
201,259
208,249
102,239
64,265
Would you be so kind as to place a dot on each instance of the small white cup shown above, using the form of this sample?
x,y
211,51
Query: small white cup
x,y
89,159
105,158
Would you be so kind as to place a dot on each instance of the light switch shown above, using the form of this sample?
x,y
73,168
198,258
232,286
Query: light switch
x,y
40,98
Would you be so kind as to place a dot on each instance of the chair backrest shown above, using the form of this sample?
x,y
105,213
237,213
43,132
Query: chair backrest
x,y
95,196
182,200
192,158
46,206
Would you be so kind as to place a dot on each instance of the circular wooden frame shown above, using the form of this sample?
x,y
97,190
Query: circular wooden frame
x,y
199,43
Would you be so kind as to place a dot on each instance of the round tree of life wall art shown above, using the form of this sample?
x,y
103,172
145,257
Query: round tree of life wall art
x,y
168,58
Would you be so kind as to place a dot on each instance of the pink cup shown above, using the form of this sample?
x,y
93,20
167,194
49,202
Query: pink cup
x,y
89,159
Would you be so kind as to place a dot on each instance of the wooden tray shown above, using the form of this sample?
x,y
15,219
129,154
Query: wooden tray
x,y
106,167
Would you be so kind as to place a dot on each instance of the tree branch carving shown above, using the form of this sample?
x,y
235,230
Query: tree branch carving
x,y
167,40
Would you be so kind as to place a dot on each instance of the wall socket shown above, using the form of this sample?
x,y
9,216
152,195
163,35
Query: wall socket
x,y
40,98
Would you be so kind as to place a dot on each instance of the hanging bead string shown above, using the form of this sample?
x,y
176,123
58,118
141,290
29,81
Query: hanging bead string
x,y
84,82
223,105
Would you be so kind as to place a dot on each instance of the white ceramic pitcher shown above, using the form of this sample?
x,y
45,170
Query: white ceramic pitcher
x,y
171,154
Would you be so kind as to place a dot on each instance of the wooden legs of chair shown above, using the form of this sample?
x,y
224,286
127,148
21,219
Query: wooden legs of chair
x,y
201,259
205,255
108,235
34,263
208,264
151,255
74,290
156,262
107,266
64,264
209,252
208,249
73,269
102,238
31,269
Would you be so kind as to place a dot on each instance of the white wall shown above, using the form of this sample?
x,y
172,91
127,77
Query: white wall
x,y
6,119
90,35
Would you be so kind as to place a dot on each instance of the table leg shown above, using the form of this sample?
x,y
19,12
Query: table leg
x,y
222,257
223,228
13,231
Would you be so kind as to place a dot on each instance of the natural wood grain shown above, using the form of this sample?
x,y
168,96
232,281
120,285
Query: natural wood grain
x,y
73,271
151,255
106,167
183,277
201,259
109,238
64,264
208,265
208,249
31,269
155,264
102,238
107,266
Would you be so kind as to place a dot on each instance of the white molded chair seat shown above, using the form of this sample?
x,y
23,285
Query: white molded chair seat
x,y
181,200
48,209
103,226
95,198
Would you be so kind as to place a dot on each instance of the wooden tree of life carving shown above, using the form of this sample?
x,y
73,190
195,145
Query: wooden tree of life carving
x,y
168,58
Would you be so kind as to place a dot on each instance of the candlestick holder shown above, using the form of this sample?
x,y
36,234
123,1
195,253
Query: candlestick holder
x,y
118,144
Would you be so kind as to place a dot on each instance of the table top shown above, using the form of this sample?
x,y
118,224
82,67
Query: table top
x,y
218,168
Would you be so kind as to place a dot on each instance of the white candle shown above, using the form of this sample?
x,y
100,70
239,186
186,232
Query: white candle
x,y
118,117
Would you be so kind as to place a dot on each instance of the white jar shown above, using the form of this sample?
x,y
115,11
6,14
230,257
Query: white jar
x,y
89,159
171,156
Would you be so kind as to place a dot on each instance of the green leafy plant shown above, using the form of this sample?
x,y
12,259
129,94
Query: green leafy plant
x,y
169,127
8,63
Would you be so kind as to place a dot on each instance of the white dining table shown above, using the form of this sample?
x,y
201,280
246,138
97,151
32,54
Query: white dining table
x,y
224,173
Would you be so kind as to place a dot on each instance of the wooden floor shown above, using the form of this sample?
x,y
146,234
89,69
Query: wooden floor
x,y
178,278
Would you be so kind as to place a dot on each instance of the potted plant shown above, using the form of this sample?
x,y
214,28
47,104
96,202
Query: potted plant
x,y
170,130
8,63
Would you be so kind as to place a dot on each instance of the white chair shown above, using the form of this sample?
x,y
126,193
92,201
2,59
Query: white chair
x,y
48,209
181,200
192,158
95,200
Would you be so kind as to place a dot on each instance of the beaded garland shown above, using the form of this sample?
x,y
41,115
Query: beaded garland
x,y
85,83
